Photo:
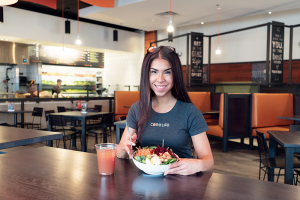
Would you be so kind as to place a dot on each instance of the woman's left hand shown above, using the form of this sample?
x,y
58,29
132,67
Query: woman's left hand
x,y
185,166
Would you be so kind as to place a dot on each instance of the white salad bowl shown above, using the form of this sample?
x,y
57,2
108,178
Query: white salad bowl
x,y
151,169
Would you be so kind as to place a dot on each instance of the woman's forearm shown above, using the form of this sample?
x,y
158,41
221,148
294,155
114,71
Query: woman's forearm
x,y
207,163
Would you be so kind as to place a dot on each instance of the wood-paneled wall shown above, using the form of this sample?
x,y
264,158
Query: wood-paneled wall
x,y
149,37
237,72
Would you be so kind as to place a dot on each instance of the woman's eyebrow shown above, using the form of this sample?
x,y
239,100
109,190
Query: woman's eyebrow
x,y
153,69
168,69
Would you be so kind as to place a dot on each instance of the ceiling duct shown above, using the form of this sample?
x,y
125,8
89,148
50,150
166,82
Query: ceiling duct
x,y
167,14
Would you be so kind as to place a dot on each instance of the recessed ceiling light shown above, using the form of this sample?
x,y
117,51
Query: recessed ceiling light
x,y
34,43
84,49
88,50
1,38
202,22
37,44
270,13
6,39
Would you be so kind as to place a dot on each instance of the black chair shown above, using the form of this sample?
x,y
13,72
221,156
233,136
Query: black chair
x,y
38,112
46,112
59,121
122,118
61,109
270,163
98,108
102,128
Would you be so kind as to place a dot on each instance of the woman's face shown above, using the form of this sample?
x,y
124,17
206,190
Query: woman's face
x,y
161,77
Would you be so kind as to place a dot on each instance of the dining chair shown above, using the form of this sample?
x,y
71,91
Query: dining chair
x,y
59,121
102,129
38,112
122,118
61,109
267,163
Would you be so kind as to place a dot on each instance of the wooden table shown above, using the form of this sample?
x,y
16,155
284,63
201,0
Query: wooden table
x,y
77,115
16,116
120,125
53,173
13,137
295,118
210,112
290,141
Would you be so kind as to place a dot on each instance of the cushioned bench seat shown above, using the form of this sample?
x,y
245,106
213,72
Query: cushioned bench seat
x,y
215,130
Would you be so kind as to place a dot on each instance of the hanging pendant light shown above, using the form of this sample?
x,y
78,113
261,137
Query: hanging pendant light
x,y
67,23
170,36
115,35
218,49
170,27
78,41
7,2
154,39
1,15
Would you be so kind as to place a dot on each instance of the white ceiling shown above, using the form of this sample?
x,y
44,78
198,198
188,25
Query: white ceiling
x,y
140,13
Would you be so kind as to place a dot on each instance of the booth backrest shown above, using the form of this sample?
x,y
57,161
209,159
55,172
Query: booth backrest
x,y
266,108
201,100
124,98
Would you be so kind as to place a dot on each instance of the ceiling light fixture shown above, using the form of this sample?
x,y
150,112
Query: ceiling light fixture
x,y
202,22
67,23
115,35
1,15
270,13
6,39
170,37
218,49
78,41
33,43
1,38
170,27
7,2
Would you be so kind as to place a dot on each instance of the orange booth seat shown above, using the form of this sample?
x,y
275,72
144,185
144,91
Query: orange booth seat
x,y
202,100
266,108
123,100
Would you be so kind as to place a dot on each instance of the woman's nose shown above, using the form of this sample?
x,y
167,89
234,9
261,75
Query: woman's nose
x,y
160,77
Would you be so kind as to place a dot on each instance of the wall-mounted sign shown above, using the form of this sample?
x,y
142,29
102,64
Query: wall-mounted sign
x,y
259,72
277,45
196,73
66,56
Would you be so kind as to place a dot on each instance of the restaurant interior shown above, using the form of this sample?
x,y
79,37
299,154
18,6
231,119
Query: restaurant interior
x,y
70,74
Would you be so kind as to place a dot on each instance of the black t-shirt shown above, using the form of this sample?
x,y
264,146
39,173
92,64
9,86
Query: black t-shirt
x,y
176,127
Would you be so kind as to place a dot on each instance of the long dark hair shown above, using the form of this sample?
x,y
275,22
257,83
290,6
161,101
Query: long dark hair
x,y
178,91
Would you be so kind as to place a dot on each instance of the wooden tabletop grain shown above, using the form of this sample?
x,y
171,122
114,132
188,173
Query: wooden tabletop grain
x,y
53,173
286,138
13,137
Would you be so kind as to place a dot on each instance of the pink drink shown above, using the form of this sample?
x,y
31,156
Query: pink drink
x,y
106,155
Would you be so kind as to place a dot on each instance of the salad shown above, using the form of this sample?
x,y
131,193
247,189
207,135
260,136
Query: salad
x,y
155,155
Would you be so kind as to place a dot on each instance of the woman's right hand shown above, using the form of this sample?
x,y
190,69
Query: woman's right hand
x,y
127,145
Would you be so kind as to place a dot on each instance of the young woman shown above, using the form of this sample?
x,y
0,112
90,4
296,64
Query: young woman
x,y
165,111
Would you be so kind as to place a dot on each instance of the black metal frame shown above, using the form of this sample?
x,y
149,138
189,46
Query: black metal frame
x,y
234,31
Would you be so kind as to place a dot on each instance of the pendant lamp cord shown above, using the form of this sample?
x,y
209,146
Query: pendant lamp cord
x,y
63,38
218,25
170,8
153,32
78,17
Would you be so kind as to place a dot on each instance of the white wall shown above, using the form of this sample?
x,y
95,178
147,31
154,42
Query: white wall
x,y
122,69
249,45
40,27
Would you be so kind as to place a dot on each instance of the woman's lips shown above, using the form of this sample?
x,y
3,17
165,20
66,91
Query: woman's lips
x,y
160,87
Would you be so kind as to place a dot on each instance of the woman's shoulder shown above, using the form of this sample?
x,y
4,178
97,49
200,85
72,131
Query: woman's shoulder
x,y
188,107
135,106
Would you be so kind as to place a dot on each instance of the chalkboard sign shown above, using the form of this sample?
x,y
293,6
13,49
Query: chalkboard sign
x,y
196,73
259,72
277,45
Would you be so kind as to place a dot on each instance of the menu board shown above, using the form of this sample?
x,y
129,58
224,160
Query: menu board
x,y
66,56
196,57
277,45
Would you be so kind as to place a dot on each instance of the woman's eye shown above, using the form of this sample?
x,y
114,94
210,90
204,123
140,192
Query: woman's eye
x,y
167,72
153,72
